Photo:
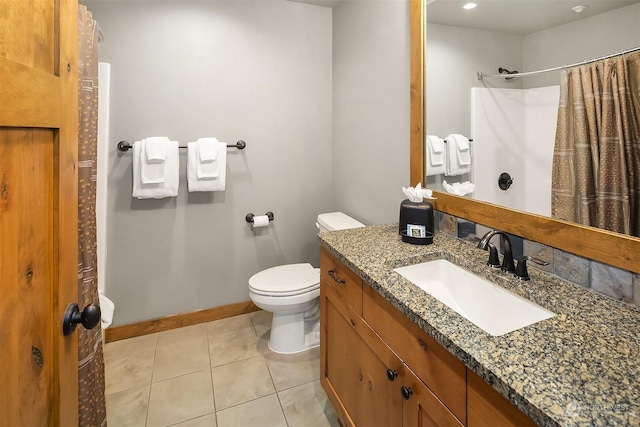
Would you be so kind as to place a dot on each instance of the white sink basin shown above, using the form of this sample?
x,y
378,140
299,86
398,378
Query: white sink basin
x,y
490,307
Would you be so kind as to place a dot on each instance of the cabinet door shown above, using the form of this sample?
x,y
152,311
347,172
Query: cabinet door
x,y
354,365
421,407
488,408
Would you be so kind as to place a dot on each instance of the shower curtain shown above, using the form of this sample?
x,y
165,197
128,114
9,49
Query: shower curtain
x,y
596,160
91,387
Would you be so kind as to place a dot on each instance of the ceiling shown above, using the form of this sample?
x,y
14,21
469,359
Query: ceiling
x,y
516,16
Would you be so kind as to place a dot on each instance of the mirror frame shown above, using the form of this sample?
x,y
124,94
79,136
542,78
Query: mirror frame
x,y
600,245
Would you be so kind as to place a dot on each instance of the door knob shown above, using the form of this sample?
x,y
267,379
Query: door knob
x,y
90,317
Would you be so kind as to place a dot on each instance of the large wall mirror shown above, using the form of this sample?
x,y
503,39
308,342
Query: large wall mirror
x,y
454,45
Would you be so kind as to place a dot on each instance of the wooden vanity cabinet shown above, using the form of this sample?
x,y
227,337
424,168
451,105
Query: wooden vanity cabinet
x,y
380,369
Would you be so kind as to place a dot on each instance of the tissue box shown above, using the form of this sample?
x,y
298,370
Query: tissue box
x,y
416,222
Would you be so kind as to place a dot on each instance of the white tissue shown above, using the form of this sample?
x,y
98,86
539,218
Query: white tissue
x,y
459,188
418,193
260,221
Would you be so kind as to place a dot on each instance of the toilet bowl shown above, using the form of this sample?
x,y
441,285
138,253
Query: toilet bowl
x,y
291,292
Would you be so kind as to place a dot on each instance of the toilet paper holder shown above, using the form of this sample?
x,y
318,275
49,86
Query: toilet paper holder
x,y
249,217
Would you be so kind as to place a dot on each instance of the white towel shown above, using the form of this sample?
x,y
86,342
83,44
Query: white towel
x,y
458,159
107,307
207,165
206,184
435,156
154,154
459,188
168,188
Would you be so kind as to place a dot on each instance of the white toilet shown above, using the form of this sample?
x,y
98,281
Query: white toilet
x,y
291,292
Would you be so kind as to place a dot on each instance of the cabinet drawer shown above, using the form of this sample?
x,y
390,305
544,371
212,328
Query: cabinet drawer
x,y
445,375
344,281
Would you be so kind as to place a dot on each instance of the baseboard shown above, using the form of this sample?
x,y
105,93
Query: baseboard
x,y
116,333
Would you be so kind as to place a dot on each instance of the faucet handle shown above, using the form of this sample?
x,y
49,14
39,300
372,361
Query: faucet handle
x,y
521,269
494,259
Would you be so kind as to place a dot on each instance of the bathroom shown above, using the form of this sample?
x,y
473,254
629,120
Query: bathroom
x,y
279,76
345,146
206,264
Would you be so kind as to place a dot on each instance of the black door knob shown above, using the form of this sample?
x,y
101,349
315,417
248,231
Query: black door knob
x,y
392,374
406,392
89,318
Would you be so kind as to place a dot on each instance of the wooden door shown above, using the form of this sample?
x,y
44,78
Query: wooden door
x,y
38,211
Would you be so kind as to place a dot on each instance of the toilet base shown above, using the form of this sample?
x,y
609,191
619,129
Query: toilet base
x,y
294,333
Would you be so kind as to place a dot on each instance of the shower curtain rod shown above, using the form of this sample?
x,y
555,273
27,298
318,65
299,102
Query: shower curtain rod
x,y
482,75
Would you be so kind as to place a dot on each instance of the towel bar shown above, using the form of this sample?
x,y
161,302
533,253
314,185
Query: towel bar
x,y
125,146
470,140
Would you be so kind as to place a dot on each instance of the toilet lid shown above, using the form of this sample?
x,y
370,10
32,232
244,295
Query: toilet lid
x,y
285,279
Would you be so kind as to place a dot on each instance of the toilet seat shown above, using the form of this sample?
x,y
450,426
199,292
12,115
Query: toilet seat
x,y
285,280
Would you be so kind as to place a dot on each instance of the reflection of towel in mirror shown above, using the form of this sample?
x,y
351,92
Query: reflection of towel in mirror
x,y
459,188
436,157
458,155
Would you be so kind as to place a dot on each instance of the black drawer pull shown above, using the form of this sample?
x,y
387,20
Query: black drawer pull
x,y
423,345
406,392
335,276
392,374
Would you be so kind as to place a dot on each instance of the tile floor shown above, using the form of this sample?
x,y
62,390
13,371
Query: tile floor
x,y
218,374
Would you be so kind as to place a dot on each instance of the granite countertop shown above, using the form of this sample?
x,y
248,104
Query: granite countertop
x,y
581,367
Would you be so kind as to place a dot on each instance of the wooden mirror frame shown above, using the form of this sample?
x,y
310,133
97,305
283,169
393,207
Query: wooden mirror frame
x,y
604,246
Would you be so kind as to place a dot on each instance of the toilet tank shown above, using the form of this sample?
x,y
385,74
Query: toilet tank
x,y
336,221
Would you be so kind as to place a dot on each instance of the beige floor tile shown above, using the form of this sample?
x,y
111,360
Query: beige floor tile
x,y
262,412
121,348
261,317
232,346
229,324
181,357
180,399
181,334
128,408
205,421
307,406
240,382
290,370
262,330
129,371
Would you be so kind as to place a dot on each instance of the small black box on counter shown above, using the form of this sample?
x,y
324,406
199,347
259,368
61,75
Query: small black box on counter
x,y
416,222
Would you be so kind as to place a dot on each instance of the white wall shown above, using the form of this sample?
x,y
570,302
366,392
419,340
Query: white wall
x,y
514,132
578,41
253,70
370,108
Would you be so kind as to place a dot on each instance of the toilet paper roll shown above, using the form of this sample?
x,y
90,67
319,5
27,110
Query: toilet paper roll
x,y
260,221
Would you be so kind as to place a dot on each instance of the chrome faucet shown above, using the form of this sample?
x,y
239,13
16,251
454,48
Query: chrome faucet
x,y
507,260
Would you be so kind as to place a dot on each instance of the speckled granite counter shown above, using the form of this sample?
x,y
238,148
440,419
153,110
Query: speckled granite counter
x,y
581,367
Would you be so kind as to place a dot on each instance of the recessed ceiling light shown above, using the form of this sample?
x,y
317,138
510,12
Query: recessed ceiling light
x,y
469,6
580,9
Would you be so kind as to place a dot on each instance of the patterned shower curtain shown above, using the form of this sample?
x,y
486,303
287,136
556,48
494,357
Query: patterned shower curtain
x,y
596,161
91,388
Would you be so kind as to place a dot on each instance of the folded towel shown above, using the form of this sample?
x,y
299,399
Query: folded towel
x,y
459,188
435,156
458,155
207,149
156,148
168,188
154,153
207,153
206,184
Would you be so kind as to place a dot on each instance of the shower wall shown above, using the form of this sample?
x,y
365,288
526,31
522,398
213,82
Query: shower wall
x,y
514,132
